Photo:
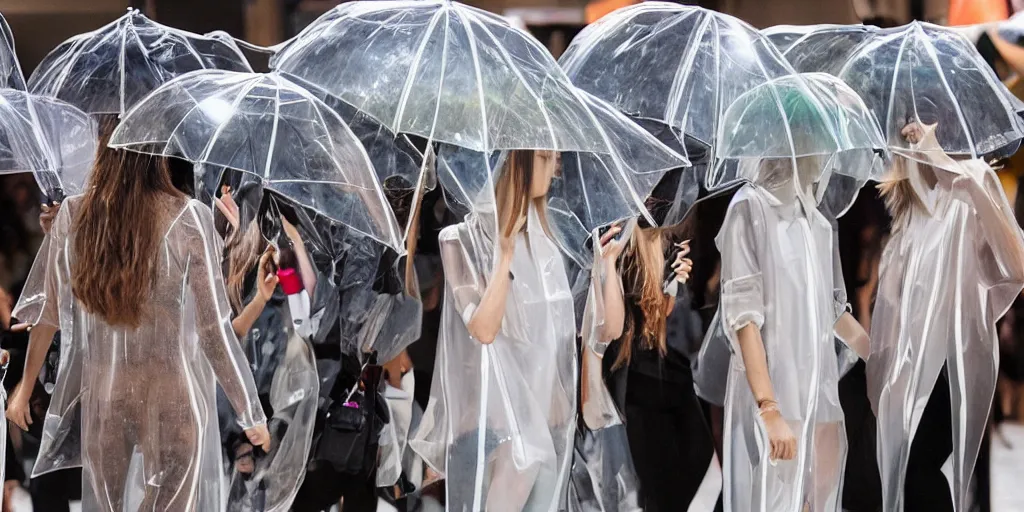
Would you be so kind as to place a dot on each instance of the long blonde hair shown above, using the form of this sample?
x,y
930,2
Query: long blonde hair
x,y
897,192
643,264
512,192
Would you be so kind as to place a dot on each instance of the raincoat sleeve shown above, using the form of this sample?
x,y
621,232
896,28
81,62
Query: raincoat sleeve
x,y
742,299
1001,279
213,319
466,284
38,303
599,410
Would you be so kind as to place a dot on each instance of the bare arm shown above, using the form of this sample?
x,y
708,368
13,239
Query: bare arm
x,y
486,318
756,362
266,282
243,322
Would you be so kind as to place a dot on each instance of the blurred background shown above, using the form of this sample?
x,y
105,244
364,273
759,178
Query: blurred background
x,y
39,25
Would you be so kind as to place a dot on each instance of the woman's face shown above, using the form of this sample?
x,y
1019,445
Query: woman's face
x,y
545,165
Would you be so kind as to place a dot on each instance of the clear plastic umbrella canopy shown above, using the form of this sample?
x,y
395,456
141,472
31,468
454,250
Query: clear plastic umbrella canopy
x,y
47,137
443,71
272,129
110,69
10,70
807,118
466,79
819,48
933,75
676,64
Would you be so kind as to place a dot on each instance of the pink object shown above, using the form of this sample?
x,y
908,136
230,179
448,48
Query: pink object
x,y
353,405
290,281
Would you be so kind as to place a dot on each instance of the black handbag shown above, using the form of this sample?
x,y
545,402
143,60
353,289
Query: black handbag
x,y
352,425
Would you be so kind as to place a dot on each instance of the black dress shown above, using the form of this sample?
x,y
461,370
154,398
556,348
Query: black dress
x,y
669,436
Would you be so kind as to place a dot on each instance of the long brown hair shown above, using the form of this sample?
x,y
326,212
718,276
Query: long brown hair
x,y
242,251
116,240
643,264
512,192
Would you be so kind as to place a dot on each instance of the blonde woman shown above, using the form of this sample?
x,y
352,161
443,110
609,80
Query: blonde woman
x,y
952,267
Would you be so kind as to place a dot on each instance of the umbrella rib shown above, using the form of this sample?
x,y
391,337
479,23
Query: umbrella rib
x,y
956,104
616,159
407,89
892,85
678,81
529,90
124,50
273,133
234,107
479,81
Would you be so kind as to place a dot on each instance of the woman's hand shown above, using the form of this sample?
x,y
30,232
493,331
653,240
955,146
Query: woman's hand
x,y
682,266
508,243
267,278
913,132
783,442
18,410
259,436
227,206
244,461
46,216
610,247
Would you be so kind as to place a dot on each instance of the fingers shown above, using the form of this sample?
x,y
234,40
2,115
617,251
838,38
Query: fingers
x,y
610,234
684,247
22,327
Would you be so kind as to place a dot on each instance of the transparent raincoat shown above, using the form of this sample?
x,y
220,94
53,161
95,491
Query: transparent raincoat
x,y
780,271
136,408
108,70
47,137
679,65
950,270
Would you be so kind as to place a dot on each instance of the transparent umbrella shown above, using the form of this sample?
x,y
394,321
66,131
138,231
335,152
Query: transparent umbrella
x,y
680,65
462,77
809,117
272,129
933,75
819,48
10,70
47,137
110,69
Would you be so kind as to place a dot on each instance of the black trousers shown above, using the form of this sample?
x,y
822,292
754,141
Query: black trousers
x,y
323,487
862,485
926,488
670,441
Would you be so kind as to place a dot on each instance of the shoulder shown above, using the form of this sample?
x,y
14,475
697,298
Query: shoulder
x,y
452,234
745,202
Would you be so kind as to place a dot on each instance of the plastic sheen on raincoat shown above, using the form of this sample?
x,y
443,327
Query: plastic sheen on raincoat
x,y
136,408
